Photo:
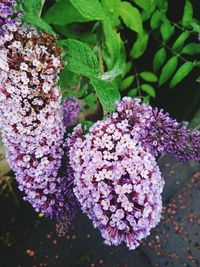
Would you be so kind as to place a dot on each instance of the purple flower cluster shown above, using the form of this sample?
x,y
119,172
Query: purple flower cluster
x,y
157,132
31,116
71,108
9,20
117,182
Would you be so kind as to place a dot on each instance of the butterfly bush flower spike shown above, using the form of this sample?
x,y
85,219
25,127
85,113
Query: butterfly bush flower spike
x,y
117,179
117,182
157,132
31,115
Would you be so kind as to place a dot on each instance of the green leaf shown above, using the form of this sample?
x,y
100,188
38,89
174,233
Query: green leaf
x,y
162,5
63,13
191,49
195,25
148,89
112,42
131,17
188,13
86,126
144,4
166,30
181,73
33,6
127,82
83,91
168,70
38,22
90,100
156,19
114,73
140,45
89,9
159,59
148,76
80,58
146,100
146,14
68,11
115,57
180,41
133,92
66,78
107,93
110,5
148,7
67,31
111,8
128,66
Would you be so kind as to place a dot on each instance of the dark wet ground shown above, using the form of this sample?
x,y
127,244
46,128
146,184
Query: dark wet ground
x,y
175,242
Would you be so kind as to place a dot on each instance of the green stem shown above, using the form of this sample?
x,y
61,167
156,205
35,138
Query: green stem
x,y
100,60
174,52
40,13
171,50
179,26
105,115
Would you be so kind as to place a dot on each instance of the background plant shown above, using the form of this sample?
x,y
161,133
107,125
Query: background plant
x,y
104,42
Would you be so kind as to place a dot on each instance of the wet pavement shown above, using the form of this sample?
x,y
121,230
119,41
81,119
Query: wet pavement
x,y
175,242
